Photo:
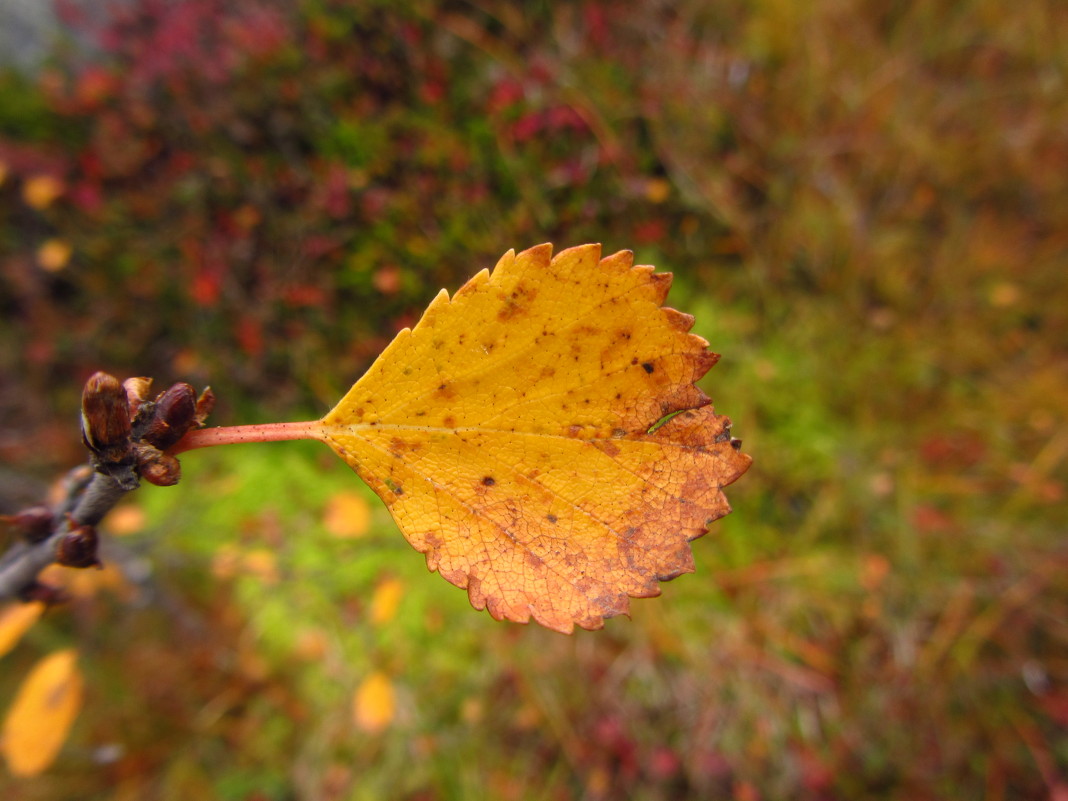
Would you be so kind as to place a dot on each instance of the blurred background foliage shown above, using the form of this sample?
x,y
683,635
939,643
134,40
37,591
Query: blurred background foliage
x,y
864,205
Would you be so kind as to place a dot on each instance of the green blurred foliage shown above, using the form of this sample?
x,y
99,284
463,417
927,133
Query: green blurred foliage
x,y
864,206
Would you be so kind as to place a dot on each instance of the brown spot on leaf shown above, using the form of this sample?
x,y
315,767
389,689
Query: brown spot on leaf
x,y
398,445
609,449
488,481
510,310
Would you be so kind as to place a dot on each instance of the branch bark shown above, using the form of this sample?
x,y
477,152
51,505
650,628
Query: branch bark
x,y
130,439
88,498
128,436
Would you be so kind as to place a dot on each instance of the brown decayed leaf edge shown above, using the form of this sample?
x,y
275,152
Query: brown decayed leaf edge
x,y
518,436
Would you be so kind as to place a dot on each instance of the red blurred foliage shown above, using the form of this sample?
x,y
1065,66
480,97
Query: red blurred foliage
x,y
953,449
217,157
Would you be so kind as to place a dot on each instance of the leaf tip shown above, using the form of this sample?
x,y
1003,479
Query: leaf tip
x,y
591,251
620,259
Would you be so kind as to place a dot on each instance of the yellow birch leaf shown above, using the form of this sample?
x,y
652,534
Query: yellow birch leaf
x,y
41,715
374,704
15,620
517,434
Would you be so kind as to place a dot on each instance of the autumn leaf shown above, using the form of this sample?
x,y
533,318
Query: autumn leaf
x,y
539,436
40,191
41,715
15,620
54,254
385,600
373,704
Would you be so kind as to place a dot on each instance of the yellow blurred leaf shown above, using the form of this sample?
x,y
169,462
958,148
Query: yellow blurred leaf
x,y
347,515
387,597
374,704
15,620
53,255
40,191
519,436
37,724
82,583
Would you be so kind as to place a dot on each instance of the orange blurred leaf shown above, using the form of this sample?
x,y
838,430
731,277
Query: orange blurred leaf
x,y
312,645
40,191
126,519
41,715
15,620
87,583
54,254
518,435
657,190
347,515
374,704
231,561
263,564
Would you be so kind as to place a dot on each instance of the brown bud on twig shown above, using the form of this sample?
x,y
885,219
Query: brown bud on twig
x,y
78,547
136,393
35,523
174,414
105,413
157,467
106,428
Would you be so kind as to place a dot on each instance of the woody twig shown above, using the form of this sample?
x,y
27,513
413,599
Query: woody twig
x,y
127,436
